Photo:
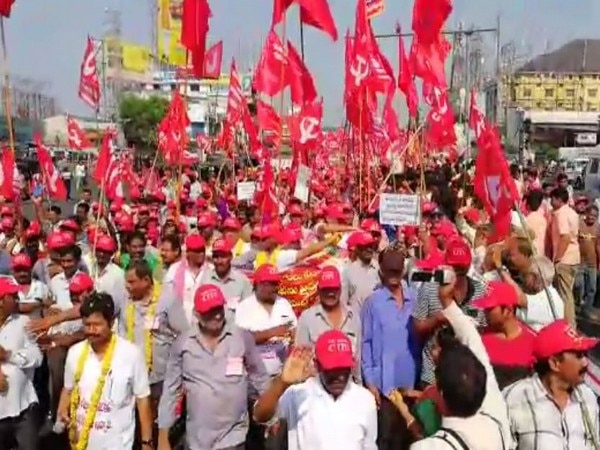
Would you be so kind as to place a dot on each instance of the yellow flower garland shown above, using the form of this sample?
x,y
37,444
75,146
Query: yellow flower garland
x,y
239,247
263,258
130,324
80,441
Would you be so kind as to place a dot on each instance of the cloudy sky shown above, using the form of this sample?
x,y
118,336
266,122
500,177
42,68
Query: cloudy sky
x,y
46,38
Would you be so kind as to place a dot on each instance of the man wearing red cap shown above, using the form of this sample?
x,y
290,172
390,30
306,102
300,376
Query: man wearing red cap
x,y
110,278
33,294
19,357
326,411
508,342
269,317
361,276
427,313
215,362
554,408
330,314
233,283
185,276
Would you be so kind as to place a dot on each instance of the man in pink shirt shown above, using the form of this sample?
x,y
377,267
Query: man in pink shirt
x,y
565,248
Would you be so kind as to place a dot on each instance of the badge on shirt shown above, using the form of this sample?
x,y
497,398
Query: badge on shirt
x,y
235,367
151,323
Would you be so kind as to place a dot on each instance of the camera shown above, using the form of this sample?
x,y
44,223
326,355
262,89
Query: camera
x,y
439,276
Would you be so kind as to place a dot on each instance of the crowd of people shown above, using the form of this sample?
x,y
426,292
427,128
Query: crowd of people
x,y
161,322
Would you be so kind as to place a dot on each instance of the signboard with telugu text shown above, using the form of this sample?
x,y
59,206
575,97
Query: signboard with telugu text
x,y
399,209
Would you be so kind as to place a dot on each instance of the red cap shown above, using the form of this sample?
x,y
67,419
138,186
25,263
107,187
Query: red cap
x,y
126,223
105,243
231,223
267,273
472,215
498,293
6,211
222,245
363,238
207,297
195,243
70,225
432,261
428,207
560,337
206,220
201,203
329,278
370,225
8,286
289,236
58,240
7,223
458,253
333,350
445,229
32,233
257,232
21,260
80,283
295,210
336,211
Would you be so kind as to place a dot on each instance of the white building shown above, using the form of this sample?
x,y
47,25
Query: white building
x,y
206,99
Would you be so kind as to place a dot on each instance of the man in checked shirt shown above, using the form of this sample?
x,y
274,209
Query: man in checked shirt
x,y
553,409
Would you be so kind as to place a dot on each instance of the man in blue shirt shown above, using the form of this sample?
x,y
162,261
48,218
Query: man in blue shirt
x,y
390,349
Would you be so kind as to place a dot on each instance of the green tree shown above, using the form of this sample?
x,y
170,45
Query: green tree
x,y
140,118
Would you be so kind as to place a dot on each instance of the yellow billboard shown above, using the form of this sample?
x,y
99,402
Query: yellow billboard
x,y
136,58
127,56
169,32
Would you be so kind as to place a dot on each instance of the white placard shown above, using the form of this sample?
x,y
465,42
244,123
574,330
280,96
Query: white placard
x,y
245,190
399,209
302,180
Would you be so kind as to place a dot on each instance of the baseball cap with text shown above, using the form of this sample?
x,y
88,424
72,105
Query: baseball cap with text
x,y
207,297
333,350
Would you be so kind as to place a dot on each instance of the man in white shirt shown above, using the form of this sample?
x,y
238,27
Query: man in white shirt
x,y
476,417
269,317
122,389
327,411
19,357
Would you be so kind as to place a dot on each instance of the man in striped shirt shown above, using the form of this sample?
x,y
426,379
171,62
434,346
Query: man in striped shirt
x,y
427,313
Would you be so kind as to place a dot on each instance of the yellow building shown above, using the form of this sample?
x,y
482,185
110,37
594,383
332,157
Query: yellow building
x,y
567,79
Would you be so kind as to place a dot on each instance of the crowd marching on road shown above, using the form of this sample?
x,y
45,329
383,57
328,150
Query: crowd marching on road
x,y
128,326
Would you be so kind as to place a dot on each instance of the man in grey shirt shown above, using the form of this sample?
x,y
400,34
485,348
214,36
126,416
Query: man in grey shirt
x,y
330,314
214,362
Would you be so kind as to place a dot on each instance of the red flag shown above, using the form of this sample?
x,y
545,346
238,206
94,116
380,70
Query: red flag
x,y
5,7
374,7
493,184
212,62
406,82
301,81
51,177
76,136
105,157
315,13
428,19
194,29
270,77
89,84
7,174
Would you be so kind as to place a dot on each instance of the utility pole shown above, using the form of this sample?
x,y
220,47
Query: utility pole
x,y
467,34
113,60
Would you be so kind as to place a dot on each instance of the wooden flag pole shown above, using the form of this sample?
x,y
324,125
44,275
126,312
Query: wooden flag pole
x,y
7,104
